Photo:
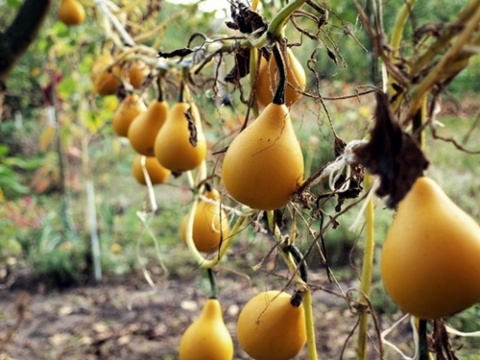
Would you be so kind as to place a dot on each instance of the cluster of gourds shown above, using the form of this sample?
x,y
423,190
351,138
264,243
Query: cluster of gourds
x,y
431,256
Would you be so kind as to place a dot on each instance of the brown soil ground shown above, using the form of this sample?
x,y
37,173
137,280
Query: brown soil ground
x,y
130,320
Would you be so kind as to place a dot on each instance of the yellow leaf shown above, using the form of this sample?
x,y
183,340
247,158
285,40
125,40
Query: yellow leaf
x,y
46,137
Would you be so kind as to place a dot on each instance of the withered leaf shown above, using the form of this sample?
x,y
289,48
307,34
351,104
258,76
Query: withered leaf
x,y
245,20
241,67
391,154
191,127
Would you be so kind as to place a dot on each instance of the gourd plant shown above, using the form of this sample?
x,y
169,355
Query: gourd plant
x,y
262,170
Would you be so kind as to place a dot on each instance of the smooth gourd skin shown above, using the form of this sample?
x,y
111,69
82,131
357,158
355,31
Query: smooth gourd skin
x,y
129,108
71,12
268,79
144,128
137,72
270,328
172,144
207,338
210,225
105,82
157,173
431,256
263,165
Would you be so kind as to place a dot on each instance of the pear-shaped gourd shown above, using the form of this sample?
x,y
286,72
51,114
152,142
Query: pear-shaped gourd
x,y
144,128
207,337
180,144
157,173
71,12
210,225
263,165
271,328
137,72
129,109
268,80
105,82
431,256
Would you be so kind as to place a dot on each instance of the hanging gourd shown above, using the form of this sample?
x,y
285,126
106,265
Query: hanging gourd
x,y
270,327
105,82
129,108
268,77
137,73
207,337
144,128
431,256
180,144
71,12
210,225
156,172
263,165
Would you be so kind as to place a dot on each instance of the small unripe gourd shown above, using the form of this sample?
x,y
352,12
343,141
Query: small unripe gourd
x,y
210,225
207,337
431,256
71,12
144,128
173,145
157,173
263,165
271,328
268,79
105,82
129,108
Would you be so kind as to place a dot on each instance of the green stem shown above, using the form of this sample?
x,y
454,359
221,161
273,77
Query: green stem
x,y
397,35
309,324
254,77
367,270
213,284
444,65
276,27
279,97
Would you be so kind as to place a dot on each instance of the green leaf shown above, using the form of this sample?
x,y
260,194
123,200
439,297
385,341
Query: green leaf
x,y
14,4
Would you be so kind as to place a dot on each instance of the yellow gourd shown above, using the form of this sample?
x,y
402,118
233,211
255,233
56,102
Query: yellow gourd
x,y
210,225
431,256
263,165
157,173
207,338
173,144
105,82
271,328
129,108
137,72
268,80
71,12
144,128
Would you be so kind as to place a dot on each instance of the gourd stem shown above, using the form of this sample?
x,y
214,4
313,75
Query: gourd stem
x,y
367,270
181,95
279,97
160,88
277,25
422,340
213,283
309,324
